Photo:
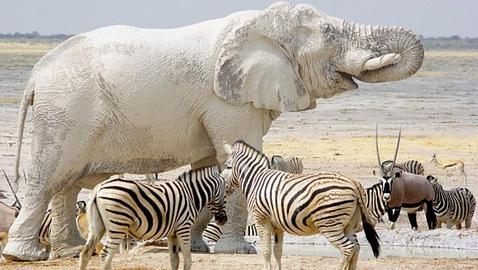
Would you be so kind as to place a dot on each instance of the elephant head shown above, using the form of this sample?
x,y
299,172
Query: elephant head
x,y
286,56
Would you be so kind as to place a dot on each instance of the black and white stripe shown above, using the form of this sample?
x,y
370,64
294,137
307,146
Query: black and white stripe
x,y
453,207
142,211
326,203
45,227
213,232
290,164
410,166
376,206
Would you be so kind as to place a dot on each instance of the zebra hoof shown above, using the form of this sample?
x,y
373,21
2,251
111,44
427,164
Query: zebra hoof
x,y
392,225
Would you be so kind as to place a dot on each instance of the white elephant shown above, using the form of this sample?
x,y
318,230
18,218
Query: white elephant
x,y
124,99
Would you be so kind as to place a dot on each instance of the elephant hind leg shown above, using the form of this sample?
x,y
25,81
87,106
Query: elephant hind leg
x,y
23,243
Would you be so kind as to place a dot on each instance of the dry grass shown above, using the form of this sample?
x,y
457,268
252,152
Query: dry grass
x,y
26,47
468,54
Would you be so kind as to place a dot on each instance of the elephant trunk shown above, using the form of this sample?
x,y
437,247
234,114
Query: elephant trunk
x,y
396,53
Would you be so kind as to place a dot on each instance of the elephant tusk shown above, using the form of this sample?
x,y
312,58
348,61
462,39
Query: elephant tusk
x,y
384,60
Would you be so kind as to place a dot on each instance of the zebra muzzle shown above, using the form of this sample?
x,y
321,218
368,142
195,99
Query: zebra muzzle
x,y
220,217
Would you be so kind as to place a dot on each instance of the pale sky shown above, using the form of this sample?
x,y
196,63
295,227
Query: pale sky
x,y
430,18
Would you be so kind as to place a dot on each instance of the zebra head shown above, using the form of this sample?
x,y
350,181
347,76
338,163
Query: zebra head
x,y
387,176
217,204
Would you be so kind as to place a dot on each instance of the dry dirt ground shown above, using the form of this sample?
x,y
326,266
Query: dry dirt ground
x,y
206,261
437,110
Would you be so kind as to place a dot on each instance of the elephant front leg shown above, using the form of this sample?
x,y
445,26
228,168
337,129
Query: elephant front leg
x,y
232,239
64,236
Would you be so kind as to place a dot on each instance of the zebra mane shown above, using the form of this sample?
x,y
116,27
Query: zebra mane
x,y
259,153
188,174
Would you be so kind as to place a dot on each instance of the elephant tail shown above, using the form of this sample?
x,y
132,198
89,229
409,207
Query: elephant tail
x,y
27,100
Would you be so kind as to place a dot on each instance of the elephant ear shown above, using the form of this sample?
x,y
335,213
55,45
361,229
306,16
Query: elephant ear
x,y
256,63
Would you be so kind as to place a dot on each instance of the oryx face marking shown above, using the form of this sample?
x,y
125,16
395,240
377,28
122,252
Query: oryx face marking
x,y
387,188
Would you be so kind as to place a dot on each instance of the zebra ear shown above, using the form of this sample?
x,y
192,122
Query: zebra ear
x,y
227,148
431,178
275,159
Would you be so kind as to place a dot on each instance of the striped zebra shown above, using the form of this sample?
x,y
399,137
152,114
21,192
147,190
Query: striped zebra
x,y
376,205
167,209
454,206
326,203
213,232
410,166
290,164
45,227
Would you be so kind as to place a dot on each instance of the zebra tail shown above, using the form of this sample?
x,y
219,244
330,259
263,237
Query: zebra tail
x,y
372,236
96,226
369,229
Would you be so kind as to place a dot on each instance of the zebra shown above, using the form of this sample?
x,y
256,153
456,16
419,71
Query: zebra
x,y
123,208
376,205
454,206
213,232
327,203
290,165
410,166
45,227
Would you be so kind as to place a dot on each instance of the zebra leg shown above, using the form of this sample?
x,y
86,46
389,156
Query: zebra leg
x,y
111,248
354,260
264,230
278,242
342,243
203,218
412,217
173,248
458,225
185,243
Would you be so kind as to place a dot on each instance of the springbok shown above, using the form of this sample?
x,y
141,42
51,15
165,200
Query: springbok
x,y
451,168
405,190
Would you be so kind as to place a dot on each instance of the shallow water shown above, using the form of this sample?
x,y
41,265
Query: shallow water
x,y
386,251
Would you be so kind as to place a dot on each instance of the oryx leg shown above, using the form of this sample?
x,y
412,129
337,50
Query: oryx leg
x,y
412,217
430,214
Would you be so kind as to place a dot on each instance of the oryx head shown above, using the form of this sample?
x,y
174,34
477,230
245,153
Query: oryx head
x,y
387,176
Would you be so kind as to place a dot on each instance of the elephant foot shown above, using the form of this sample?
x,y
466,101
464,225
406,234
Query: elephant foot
x,y
23,250
234,245
67,247
70,252
198,245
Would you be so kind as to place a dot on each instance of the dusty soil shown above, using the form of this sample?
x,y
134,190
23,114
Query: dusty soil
x,y
205,261
437,110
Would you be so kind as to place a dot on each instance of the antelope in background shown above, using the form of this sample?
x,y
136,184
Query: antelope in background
x,y
451,168
401,189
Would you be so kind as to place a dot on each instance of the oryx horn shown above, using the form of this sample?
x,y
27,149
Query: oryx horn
x,y
11,188
378,152
396,150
